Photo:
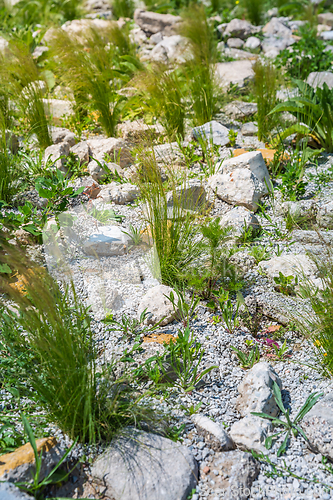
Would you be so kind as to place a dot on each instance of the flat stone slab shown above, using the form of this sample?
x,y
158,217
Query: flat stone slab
x,y
107,241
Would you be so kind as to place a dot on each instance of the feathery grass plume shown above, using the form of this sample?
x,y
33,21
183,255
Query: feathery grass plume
x,y
265,85
163,96
95,66
9,172
172,229
33,12
61,371
20,79
254,10
199,69
317,324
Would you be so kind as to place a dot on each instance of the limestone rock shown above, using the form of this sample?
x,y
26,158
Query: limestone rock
x,y
191,196
119,193
8,491
138,130
236,471
82,151
326,18
170,49
249,129
115,148
55,152
212,132
250,433
235,72
325,215
318,427
256,393
108,241
252,160
289,265
239,187
215,436
239,28
252,43
102,297
59,134
238,109
318,78
20,464
152,22
144,466
168,153
157,305
235,43
238,218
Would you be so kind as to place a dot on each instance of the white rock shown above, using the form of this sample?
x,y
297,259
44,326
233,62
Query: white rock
x,y
277,28
96,170
54,153
82,151
119,193
108,241
215,436
238,109
212,132
326,18
157,305
239,28
252,43
235,72
235,43
59,134
238,218
249,129
170,49
153,22
115,148
156,38
142,466
256,394
289,265
250,433
252,160
318,78
239,187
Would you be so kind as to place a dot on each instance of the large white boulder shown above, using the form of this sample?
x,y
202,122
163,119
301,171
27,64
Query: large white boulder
x,y
250,433
158,305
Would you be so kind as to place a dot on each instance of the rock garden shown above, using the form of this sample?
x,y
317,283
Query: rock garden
x,y
166,265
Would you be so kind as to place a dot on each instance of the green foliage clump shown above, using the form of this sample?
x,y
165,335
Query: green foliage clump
x,y
308,54
265,85
254,10
313,109
94,67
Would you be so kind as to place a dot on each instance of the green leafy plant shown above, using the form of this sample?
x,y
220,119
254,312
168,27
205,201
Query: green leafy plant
x,y
286,284
192,409
209,163
135,234
230,317
313,111
105,215
95,71
247,359
265,85
55,188
232,137
62,374
132,327
10,437
289,426
308,55
260,253
53,477
280,351
183,310
184,357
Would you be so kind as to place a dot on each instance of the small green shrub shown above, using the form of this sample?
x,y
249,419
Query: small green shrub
x,y
313,110
307,55
254,10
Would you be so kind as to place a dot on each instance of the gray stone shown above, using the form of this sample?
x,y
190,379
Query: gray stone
x,y
325,215
82,151
8,491
318,427
152,22
303,209
277,28
249,129
117,149
142,466
59,134
252,160
108,241
213,132
96,170
168,153
318,78
156,38
119,193
256,391
238,109
191,196
236,471
313,237
102,297
238,187
235,72
289,265
239,28
250,433
55,152
159,307
238,218
326,18
235,43
170,49
252,43
279,307
215,436
327,35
